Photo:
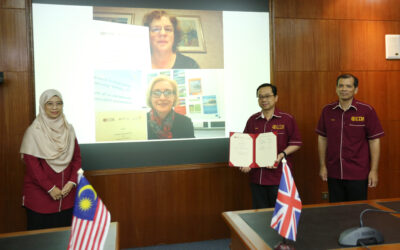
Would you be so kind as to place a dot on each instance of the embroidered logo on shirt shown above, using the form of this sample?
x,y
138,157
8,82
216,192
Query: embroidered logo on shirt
x,y
357,118
333,119
278,126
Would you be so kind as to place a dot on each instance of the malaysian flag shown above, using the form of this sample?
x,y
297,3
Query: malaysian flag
x,y
91,219
288,206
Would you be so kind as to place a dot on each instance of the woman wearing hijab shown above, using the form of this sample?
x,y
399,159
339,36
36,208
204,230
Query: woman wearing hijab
x,y
52,157
162,121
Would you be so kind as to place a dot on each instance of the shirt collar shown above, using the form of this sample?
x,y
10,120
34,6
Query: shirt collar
x,y
352,105
275,114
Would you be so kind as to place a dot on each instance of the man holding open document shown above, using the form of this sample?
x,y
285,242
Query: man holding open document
x,y
265,181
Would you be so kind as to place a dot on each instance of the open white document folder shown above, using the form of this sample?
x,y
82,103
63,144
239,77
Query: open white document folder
x,y
120,46
252,150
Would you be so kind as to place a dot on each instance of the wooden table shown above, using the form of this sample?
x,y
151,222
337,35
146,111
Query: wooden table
x,y
51,239
319,225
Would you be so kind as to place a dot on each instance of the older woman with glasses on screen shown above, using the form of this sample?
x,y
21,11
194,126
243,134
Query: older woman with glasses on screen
x,y
165,35
162,121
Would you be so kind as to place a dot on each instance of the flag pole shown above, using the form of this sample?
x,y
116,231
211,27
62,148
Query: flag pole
x,y
80,174
288,200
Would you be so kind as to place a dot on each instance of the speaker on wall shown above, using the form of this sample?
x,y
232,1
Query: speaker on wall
x,y
392,46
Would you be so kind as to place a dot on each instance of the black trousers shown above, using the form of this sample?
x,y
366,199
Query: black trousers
x,y
264,196
41,221
347,190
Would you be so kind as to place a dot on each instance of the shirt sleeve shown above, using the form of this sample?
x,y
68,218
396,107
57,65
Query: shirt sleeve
x,y
374,127
294,134
247,128
76,163
37,173
321,129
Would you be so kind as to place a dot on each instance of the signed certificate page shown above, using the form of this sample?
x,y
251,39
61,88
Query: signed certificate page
x,y
121,125
266,149
241,150
252,150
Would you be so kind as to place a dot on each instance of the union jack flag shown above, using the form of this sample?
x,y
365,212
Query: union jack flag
x,y
288,206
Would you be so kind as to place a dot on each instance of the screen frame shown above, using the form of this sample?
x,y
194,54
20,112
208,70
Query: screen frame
x,y
228,5
101,156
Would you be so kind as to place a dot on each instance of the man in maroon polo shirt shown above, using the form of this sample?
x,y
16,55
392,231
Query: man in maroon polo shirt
x,y
264,182
348,144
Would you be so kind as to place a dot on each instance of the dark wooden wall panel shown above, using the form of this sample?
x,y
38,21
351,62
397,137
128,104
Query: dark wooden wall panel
x,y
295,38
160,207
317,89
362,45
12,4
315,41
13,40
389,171
16,109
338,9
329,45
12,130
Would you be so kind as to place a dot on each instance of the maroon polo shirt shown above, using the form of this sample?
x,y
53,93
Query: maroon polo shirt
x,y
348,132
40,178
286,129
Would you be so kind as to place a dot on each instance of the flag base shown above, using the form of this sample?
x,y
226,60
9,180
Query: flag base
x,y
284,246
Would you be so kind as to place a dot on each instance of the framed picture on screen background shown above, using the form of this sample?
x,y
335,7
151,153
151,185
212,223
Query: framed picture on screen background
x,y
113,17
192,39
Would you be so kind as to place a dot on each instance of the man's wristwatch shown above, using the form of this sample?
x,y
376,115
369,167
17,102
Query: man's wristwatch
x,y
284,154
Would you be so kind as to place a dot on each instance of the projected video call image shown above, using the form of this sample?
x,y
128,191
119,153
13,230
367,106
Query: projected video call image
x,y
178,39
166,104
151,74
183,100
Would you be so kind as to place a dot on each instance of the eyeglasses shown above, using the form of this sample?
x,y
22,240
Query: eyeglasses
x,y
167,93
265,96
158,29
52,104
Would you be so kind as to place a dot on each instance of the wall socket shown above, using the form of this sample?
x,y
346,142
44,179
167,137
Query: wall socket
x,y
325,196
